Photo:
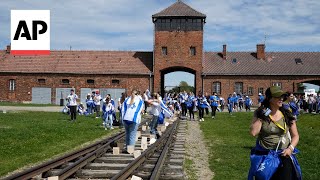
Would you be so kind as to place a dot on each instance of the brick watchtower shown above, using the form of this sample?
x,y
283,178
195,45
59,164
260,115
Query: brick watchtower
x,y
178,43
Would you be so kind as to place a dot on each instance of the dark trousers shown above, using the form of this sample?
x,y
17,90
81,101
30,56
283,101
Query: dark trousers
x,y
73,112
145,106
97,108
184,109
213,109
285,171
207,111
191,113
201,112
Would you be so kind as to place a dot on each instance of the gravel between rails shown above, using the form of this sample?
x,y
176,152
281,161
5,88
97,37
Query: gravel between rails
x,y
197,151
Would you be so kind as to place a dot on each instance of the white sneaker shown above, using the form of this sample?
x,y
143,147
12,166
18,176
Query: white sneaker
x,y
212,117
202,119
111,128
106,129
97,117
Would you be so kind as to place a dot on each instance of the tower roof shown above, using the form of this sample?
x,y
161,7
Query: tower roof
x,y
179,9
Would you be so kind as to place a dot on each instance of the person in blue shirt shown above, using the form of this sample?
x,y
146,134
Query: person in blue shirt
x,y
235,101
214,102
230,104
248,103
291,105
202,104
190,105
260,99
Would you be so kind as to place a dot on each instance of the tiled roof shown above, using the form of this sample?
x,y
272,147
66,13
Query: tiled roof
x,y
80,62
276,63
141,63
179,9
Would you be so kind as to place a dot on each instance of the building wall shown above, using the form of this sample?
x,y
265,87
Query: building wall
x,y
178,47
289,83
25,82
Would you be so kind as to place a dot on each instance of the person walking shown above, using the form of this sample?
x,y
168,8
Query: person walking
x,y
276,129
155,102
214,102
131,115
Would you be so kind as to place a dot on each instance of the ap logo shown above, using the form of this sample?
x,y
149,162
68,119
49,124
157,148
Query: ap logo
x,y
30,32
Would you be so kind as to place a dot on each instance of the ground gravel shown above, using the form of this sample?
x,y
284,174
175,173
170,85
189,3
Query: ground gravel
x,y
197,151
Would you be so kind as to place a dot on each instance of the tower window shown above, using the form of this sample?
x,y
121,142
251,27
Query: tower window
x,y
164,50
192,51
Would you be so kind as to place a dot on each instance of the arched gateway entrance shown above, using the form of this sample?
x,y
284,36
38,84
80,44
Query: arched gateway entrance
x,y
169,70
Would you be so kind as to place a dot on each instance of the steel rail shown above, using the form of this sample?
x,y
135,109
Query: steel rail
x,y
126,172
68,171
34,171
51,164
157,169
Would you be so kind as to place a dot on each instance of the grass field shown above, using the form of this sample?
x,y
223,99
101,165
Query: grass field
x,y
31,137
230,143
24,104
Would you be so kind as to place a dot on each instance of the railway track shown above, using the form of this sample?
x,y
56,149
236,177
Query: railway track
x,y
160,159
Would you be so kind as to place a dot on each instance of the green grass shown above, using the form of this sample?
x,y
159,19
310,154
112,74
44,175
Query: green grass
x,y
24,104
229,144
32,137
189,168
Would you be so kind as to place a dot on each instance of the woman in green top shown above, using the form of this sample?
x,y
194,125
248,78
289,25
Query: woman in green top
x,y
276,129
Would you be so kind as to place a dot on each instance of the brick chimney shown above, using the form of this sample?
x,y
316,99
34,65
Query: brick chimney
x,y
224,52
8,49
261,51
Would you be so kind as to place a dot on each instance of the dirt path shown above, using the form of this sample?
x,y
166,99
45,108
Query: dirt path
x,y
197,151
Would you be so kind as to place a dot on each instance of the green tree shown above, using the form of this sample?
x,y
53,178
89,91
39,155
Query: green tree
x,y
183,86
301,87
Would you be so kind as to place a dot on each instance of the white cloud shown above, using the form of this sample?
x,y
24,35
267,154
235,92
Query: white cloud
x,y
127,24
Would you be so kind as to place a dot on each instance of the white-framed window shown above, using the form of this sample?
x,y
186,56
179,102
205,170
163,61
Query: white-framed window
x,y
277,84
238,87
12,84
216,87
250,91
260,90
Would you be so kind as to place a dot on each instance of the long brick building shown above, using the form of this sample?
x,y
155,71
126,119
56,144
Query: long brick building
x,y
178,46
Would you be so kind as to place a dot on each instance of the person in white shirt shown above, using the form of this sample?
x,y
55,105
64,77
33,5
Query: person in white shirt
x,y
72,101
97,98
108,110
155,111
131,115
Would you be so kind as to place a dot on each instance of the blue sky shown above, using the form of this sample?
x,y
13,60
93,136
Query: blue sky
x,y
288,25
